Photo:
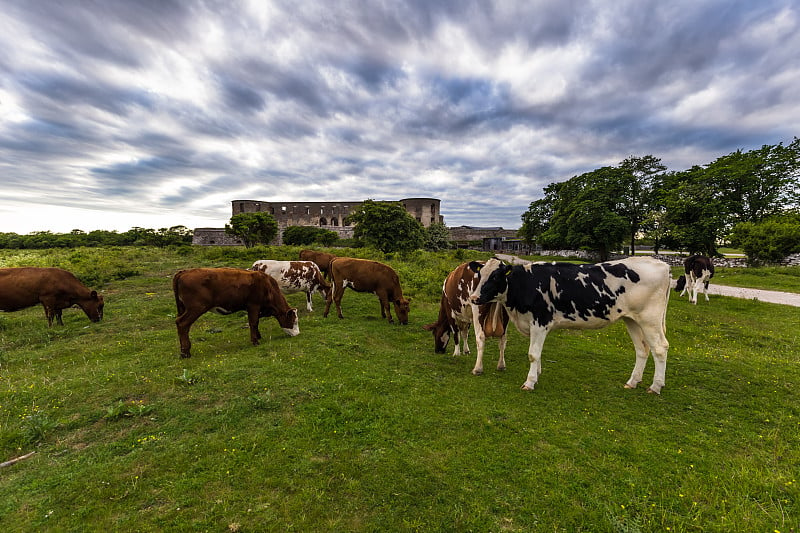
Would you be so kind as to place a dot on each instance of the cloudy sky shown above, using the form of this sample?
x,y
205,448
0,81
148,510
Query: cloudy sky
x,y
125,113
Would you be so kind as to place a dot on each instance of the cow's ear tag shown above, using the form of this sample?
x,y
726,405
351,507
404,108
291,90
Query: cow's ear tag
x,y
508,272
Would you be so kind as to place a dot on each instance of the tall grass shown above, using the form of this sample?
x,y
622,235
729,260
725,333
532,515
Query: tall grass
x,y
356,425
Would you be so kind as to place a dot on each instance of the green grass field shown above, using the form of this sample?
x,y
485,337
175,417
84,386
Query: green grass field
x,y
356,425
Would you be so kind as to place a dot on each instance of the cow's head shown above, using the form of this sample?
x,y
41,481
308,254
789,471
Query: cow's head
x,y
402,307
441,335
288,322
493,282
93,306
679,286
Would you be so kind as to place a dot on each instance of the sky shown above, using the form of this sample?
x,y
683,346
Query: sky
x,y
123,113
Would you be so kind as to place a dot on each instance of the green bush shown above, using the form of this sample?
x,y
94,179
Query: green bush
x,y
768,241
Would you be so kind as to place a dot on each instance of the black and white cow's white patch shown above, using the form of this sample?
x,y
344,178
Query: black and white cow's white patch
x,y
540,297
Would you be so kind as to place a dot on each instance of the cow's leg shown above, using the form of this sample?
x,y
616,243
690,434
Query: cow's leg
x,y
386,307
463,330
696,287
336,296
501,361
537,337
480,342
252,320
58,317
309,307
329,300
183,323
659,346
642,351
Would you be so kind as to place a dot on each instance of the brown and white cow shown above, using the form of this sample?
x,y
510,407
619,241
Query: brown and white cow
x,y
541,297
295,276
54,288
699,270
227,290
456,313
322,260
363,275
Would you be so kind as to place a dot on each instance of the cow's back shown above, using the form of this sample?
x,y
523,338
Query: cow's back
x,y
364,275
228,288
322,259
22,287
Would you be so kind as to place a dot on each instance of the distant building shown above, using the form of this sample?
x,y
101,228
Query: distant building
x,y
333,216
327,215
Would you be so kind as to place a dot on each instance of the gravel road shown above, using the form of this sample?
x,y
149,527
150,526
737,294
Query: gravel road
x,y
773,297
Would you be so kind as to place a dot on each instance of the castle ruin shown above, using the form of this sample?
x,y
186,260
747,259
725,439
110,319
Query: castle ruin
x,y
327,215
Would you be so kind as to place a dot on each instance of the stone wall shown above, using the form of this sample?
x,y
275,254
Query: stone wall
x,y
472,233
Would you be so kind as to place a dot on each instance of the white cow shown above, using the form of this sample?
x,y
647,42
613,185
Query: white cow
x,y
295,276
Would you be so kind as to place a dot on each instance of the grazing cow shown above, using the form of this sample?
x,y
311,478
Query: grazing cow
x,y
363,275
54,288
699,270
456,313
322,259
543,296
295,276
226,290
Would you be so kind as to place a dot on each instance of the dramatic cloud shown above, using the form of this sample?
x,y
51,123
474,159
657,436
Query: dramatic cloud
x,y
134,113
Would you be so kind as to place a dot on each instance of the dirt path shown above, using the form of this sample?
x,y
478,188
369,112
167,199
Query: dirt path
x,y
773,297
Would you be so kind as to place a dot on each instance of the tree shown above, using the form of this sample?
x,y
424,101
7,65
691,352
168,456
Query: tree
x,y
437,237
696,213
253,228
584,213
637,184
387,227
536,220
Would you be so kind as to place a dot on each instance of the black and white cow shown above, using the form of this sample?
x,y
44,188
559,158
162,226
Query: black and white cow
x,y
295,276
540,297
699,270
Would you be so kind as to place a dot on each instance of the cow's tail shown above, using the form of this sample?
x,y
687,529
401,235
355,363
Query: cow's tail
x,y
666,301
176,289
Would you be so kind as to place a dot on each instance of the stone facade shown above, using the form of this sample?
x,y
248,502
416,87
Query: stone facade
x,y
333,214
326,215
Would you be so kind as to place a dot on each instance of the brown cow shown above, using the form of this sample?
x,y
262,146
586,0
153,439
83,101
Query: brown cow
x,y
363,275
322,259
456,313
54,288
226,290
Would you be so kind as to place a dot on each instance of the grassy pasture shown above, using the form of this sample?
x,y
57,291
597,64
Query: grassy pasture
x,y
356,425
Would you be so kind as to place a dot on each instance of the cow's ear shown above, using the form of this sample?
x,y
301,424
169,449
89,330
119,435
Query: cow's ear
x,y
475,266
429,327
94,295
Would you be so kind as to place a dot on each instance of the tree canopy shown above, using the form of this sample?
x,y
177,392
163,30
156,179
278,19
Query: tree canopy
x,y
253,228
387,226
693,210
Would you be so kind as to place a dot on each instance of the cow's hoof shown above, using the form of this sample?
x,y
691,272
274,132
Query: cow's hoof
x,y
476,372
629,386
185,355
501,369
652,391
526,387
